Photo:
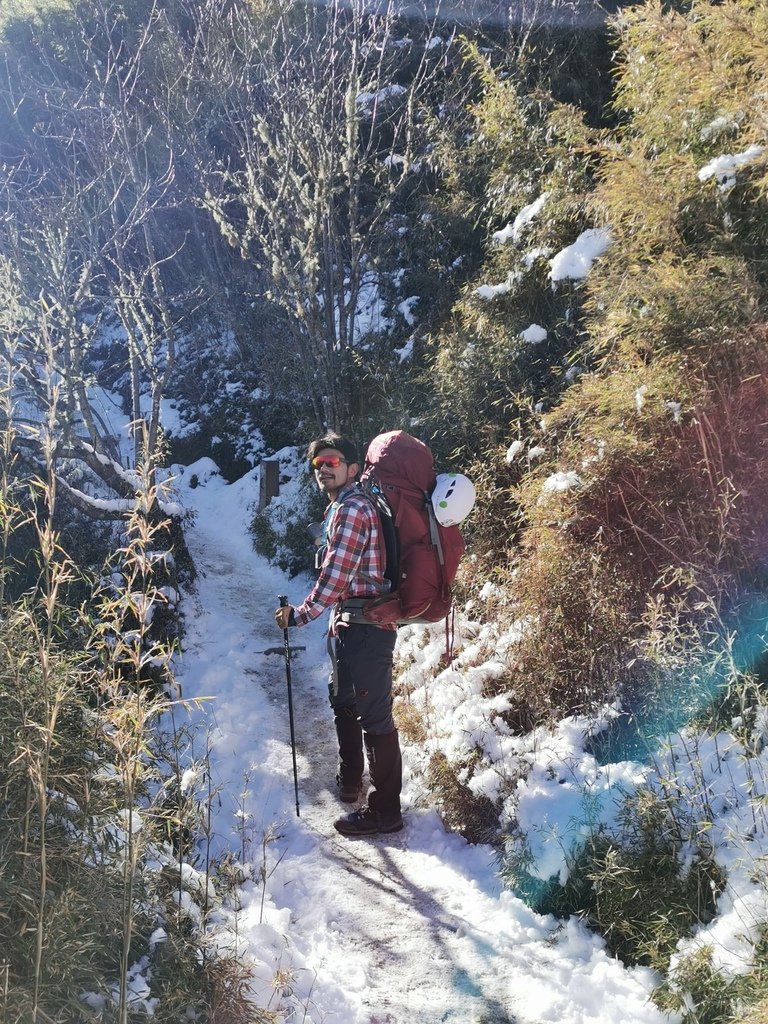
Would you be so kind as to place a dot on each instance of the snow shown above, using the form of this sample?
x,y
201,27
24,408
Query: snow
x,y
413,926
513,232
394,160
724,167
158,936
714,780
563,480
406,309
534,334
117,505
514,450
386,93
406,351
108,405
724,123
575,261
676,409
490,291
539,252
565,797
369,316
139,992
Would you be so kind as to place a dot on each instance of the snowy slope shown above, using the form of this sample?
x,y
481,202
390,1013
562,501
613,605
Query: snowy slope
x,y
405,928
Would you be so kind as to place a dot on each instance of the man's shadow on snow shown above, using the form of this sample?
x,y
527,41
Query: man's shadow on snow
x,y
443,925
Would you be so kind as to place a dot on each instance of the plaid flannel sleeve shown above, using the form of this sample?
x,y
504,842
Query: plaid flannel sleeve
x,y
349,532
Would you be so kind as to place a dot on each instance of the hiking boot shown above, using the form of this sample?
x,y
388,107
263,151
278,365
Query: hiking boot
x,y
349,792
366,822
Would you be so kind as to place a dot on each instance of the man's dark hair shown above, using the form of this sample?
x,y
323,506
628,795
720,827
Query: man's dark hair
x,y
341,444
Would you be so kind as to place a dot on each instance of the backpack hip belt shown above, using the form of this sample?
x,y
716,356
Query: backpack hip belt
x,y
351,610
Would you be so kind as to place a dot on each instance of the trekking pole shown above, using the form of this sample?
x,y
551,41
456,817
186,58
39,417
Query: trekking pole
x,y
286,643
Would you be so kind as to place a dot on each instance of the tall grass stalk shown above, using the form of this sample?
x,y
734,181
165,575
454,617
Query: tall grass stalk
x,y
8,512
56,571
130,700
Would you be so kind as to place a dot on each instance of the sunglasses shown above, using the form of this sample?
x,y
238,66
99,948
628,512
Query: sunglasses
x,y
331,461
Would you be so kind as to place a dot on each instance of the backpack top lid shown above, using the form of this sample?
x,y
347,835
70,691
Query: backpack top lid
x,y
398,458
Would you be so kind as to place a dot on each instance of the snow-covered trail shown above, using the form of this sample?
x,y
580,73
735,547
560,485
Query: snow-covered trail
x,y
399,929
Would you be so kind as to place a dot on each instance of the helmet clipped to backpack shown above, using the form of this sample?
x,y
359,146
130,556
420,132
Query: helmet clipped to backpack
x,y
453,498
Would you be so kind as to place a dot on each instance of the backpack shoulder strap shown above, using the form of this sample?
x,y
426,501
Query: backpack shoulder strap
x,y
387,537
387,532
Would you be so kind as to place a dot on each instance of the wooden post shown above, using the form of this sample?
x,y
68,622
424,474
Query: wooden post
x,y
269,482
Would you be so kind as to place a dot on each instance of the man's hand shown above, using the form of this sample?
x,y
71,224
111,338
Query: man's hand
x,y
284,617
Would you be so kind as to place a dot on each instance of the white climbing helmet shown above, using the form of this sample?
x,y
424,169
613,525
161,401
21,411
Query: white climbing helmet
x,y
453,498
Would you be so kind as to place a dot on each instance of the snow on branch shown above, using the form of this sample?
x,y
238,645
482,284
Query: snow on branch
x,y
114,508
724,167
575,261
513,232
130,476
387,93
490,291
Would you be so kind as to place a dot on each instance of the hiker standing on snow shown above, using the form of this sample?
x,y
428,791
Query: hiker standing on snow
x,y
353,566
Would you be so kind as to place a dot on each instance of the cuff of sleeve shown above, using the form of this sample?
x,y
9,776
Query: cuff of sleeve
x,y
301,616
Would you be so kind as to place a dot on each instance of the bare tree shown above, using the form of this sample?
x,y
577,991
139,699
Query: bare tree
x,y
87,229
318,109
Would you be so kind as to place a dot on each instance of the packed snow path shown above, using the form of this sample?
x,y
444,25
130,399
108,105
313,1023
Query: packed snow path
x,y
399,929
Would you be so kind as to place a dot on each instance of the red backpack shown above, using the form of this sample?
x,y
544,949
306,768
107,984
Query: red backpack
x,y
400,469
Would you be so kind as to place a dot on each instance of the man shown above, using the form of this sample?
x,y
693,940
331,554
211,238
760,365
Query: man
x,y
352,570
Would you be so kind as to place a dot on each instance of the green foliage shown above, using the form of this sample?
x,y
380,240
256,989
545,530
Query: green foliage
x,y
42,743
88,792
21,12
79,767
572,657
645,404
643,901
632,887
473,817
686,267
517,148
280,529
290,548
703,995
753,1009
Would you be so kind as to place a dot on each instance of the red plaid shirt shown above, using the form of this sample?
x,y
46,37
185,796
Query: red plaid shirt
x,y
354,561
